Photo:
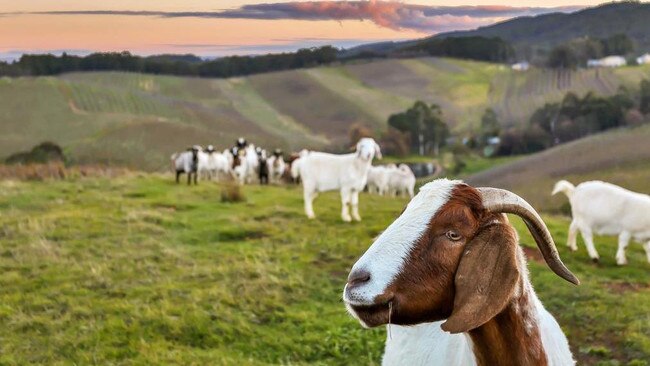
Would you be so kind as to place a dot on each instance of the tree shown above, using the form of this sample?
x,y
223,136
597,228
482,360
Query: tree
x,y
618,44
644,106
395,142
425,126
562,57
358,131
492,49
490,126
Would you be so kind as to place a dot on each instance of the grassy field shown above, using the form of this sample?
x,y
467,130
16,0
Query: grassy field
x,y
138,120
139,271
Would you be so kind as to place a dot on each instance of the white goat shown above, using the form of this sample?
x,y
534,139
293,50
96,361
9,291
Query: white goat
x,y
252,164
606,209
453,256
228,154
348,173
212,164
378,177
294,169
401,181
186,162
277,167
238,165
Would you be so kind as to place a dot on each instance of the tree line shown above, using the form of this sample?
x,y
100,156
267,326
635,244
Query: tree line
x,y
577,52
491,49
186,65
575,117
475,48
422,129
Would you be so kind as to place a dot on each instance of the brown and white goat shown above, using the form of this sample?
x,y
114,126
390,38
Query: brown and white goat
x,y
453,256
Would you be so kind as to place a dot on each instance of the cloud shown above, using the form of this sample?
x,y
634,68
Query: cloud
x,y
388,14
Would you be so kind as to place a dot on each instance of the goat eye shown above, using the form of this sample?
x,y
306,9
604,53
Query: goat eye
x,y
452,235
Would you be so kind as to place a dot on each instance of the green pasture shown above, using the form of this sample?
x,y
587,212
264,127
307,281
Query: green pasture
x,y
138,270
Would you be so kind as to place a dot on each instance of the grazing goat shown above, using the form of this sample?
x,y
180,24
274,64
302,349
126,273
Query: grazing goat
x,y
294,165
187,162
378,177
452,255
606,209
211,164
401,181
239,167
276,167
252,163
322,172
263,168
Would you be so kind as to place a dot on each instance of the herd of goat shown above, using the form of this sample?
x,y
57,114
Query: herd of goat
x,y
448,276
318,171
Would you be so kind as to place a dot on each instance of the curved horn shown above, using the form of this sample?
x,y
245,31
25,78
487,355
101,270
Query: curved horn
x,y
502,201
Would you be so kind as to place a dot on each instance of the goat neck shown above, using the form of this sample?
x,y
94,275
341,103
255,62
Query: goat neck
x,y
513,336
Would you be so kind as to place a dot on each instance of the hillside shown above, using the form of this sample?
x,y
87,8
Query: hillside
x,y
545,31
139,120
620,157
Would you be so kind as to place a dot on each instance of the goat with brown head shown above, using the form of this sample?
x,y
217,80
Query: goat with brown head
x,y
452,255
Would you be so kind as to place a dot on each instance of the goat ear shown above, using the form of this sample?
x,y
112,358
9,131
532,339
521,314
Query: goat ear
x,y
378,151
486,278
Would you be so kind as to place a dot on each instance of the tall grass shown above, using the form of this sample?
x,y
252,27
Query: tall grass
x,y
57,171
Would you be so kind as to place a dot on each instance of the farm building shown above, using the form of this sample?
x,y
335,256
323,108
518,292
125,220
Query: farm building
x,y
521,66
609,61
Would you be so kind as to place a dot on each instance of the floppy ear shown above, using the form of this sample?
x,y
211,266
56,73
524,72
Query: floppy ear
x,y
486,278
378,151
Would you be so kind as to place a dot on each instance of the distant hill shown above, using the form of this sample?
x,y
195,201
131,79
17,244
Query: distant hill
x,y
532,36
621,157
140,119
545,31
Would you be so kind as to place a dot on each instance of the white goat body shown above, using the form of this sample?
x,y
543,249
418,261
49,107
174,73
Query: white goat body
x,y
401,181
252,164
276,167
378,177
428,345
183,161
348,173
186,162
606,209
212,164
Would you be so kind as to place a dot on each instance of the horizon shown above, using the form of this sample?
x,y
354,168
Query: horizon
x,y
239,27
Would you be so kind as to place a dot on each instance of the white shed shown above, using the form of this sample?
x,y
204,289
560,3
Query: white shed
x,y
609,61
644,59
520,66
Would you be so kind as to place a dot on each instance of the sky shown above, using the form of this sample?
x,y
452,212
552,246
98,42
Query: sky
x,y
215,28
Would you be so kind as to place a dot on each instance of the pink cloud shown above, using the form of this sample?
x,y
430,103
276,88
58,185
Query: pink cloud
x,y
388,14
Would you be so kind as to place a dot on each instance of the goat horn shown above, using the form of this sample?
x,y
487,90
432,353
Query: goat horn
x,y
502,201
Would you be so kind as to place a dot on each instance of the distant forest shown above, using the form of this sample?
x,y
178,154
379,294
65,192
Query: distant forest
x,y
474,48
189,65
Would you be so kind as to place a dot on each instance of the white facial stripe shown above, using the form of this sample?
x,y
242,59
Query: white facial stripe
x,y
386,256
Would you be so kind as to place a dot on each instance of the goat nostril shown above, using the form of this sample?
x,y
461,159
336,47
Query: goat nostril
x,y
357,278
